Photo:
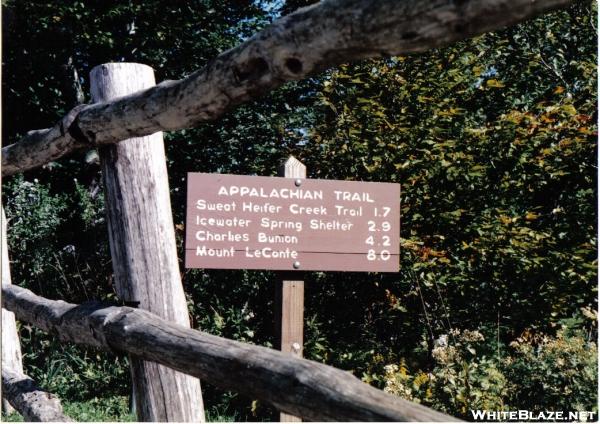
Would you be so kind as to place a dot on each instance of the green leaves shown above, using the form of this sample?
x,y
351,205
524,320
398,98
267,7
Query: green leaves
x,y
537,372
493,141
490,156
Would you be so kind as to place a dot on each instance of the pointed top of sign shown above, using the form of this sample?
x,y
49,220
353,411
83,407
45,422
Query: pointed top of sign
x,y
293,168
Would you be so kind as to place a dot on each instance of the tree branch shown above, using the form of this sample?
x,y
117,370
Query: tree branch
x,y
307,41
33,403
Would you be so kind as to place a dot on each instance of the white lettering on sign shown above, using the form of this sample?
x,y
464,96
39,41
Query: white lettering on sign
x,y
307,210
351,196
345,211
267,252
256,208
220,253
281,193
205,235
222,222
333,225
272,224
242,222
202,205
264,238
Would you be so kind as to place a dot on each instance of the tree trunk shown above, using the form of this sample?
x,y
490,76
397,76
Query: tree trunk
x,y
11,347
142,245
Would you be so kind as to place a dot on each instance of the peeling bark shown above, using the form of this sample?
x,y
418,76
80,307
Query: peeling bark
x,y
33,403
307,389
309,40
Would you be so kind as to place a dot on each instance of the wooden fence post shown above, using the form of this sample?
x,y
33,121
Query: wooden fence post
x,y
142,245
11,347
290,296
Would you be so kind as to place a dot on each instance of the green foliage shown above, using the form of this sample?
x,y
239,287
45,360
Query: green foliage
x,y
558,373
496,161
71,372
105,408
461,380
216,414
492,139
15,417
94,410
464,378
34,218
58,248
237,305
494,142
538,373
58,244
48,41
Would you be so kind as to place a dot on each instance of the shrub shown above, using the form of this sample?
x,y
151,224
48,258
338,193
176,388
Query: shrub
x,y
554,373
538,373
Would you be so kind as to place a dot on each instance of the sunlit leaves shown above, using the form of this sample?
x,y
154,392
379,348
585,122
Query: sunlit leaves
x,y
495,151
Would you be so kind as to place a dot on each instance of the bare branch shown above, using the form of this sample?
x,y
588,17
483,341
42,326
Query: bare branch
x,y
309,40
33,403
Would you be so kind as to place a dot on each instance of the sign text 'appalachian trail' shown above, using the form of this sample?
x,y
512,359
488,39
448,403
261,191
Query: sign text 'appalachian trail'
x,y
242,222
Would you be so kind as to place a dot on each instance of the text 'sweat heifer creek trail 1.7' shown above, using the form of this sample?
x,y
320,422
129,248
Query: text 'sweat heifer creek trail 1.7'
x,y
241,222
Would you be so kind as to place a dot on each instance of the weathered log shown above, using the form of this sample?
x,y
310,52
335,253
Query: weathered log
x,y
304,388
33,403
143,247
11,346
311,39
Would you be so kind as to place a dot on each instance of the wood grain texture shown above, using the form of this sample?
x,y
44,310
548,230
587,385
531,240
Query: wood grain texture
x,y
295,46
33,403
291,316
291,326
307,389
142,245
11,345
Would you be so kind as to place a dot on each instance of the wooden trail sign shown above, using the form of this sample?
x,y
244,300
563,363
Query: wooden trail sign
x,y
247,222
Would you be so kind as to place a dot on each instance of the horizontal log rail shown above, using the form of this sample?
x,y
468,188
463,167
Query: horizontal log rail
x,y
304,388
311,39
29,400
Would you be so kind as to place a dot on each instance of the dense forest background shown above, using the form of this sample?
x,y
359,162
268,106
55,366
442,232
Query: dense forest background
x,y
494,143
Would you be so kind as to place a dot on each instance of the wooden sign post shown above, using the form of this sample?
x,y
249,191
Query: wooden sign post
x,y
290,296
291,224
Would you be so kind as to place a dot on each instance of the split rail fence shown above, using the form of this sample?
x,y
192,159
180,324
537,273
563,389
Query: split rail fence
x,y
300,387
158,339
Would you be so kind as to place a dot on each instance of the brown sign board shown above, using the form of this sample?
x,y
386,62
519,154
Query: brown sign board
x,y
247,222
